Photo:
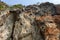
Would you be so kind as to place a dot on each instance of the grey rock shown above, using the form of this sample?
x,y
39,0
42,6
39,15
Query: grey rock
x,y
47,8
30,23
6,25
25,27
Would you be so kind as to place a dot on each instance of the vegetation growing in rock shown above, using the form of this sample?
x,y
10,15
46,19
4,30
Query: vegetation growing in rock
x,y
17,6
33,22
3,6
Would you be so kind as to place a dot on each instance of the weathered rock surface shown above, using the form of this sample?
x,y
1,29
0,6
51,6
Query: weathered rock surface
x,y
34,22
49,28
43,25
6,25
25,27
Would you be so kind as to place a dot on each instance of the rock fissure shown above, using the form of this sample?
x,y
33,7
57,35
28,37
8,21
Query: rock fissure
x,y
33,22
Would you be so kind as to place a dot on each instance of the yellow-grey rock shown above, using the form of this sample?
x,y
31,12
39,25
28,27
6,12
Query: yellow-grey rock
x,y
6,25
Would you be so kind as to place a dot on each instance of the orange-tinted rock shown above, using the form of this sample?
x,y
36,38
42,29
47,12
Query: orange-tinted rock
x,y
34,22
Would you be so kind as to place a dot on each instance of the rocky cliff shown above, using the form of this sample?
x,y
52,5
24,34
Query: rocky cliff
x,y
33,22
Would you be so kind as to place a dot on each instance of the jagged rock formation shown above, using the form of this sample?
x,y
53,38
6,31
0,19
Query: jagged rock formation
x,y
6,25
49,28
34,22
47,8
26,27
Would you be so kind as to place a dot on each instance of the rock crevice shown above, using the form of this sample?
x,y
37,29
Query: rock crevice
x,y
34,22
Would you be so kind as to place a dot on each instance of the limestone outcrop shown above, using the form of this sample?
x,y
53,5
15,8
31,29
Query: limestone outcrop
x,y
33,22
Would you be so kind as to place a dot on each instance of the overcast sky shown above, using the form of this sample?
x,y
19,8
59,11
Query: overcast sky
x,y
28,2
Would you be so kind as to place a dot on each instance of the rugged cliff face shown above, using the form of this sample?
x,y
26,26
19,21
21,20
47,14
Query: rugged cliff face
x,y
34,22
6,25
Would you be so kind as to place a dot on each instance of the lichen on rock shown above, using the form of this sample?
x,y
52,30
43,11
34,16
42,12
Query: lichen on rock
x,y
33,22
6,24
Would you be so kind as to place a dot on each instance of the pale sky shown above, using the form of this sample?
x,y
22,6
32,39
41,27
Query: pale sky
x,y
28,2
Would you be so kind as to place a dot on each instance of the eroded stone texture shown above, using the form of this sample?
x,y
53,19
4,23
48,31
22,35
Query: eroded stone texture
x,y
34,22
6,24
47,24
25,27
47,8
48,28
